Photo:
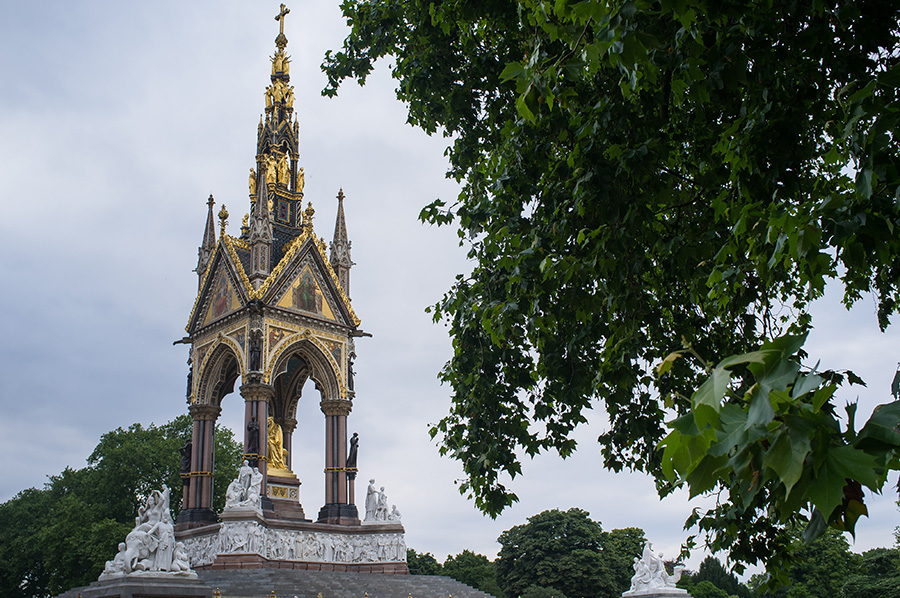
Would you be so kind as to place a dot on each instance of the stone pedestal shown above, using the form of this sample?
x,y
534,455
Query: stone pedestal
x,y
283,489
339,514
658,593
161,585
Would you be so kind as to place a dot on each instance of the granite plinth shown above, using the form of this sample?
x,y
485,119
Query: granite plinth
x,y
150,586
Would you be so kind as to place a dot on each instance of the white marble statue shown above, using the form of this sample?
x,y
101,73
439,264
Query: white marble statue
x,y
650,577
377,506
244,491
381,512
371,501
150,548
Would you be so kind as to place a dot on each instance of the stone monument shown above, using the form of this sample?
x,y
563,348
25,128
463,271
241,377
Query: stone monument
x,y
150,562
651,579
272,319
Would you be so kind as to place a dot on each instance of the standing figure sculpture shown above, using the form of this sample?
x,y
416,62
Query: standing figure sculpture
x,y
253,441
351,456
371,501
186,456
277,454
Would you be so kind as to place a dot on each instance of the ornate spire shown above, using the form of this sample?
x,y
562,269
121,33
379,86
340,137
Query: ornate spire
x,y
209,241
260,237
340,247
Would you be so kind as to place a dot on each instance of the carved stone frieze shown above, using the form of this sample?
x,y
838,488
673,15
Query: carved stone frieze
x,y
295,545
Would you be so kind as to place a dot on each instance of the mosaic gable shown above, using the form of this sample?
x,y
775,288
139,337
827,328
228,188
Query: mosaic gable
x,y
222,299
305,295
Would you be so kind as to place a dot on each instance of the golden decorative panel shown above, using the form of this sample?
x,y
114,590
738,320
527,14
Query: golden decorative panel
x,y
305,295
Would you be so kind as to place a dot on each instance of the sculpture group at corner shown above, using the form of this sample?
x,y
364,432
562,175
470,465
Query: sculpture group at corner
x,y
377,506
650,576
244,491
150,548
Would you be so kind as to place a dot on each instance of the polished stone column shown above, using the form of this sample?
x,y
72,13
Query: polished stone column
x,y
257,396
198,510
337,509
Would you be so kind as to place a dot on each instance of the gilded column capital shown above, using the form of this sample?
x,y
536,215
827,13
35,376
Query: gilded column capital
x,y
336,406
202,411
257,391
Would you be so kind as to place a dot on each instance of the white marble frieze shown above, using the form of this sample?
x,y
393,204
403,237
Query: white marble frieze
x,y
295,545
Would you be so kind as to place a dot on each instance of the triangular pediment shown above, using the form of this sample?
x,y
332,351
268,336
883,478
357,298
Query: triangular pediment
x,y
223,300
304,282
305,295
221,292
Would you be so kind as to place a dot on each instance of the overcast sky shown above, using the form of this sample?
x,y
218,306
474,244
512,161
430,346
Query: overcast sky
x,y
118,119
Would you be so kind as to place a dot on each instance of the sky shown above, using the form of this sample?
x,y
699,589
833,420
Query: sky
x,y
117,120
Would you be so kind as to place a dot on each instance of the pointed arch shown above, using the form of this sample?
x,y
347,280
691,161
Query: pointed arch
x,y
322,367
219,371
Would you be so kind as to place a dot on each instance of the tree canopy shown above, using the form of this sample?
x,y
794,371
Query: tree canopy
x,y
568,552
649,188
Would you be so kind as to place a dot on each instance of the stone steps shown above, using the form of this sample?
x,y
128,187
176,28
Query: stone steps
x,y
260,583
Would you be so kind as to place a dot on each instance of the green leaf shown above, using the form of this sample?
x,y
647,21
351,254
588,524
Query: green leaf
x,y
786,457
761,412
753,357
882,427
713,390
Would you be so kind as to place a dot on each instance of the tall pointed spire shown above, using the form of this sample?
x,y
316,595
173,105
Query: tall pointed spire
x,y
340,247
260,237
209,241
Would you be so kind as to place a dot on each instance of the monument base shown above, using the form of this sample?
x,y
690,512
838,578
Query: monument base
x,y
339,514
250,540
150,586
283,492
189,518
657,593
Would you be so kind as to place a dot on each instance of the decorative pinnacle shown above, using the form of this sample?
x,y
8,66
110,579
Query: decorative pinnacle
x,y
308,214
281,40
223,219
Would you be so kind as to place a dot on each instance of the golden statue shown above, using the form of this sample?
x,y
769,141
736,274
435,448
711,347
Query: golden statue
x,y
271,169
277,454
284,171
301,180
289,97
277,62
252,182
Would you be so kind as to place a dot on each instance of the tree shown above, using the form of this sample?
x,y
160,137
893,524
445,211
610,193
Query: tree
x,y
712,572
60,536
132,463
541,592
422,564
566,551
473,570
881,576
819,569
639,172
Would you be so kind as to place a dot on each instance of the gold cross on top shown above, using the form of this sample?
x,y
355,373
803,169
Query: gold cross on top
x,y
280,18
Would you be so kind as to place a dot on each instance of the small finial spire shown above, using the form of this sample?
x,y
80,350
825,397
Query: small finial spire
x,y
208,245
223,220
308,214
340,246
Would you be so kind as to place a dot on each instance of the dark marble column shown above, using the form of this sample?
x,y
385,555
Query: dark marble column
x,y
337,508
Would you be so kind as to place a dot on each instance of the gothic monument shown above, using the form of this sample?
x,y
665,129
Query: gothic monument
x,y
273,310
